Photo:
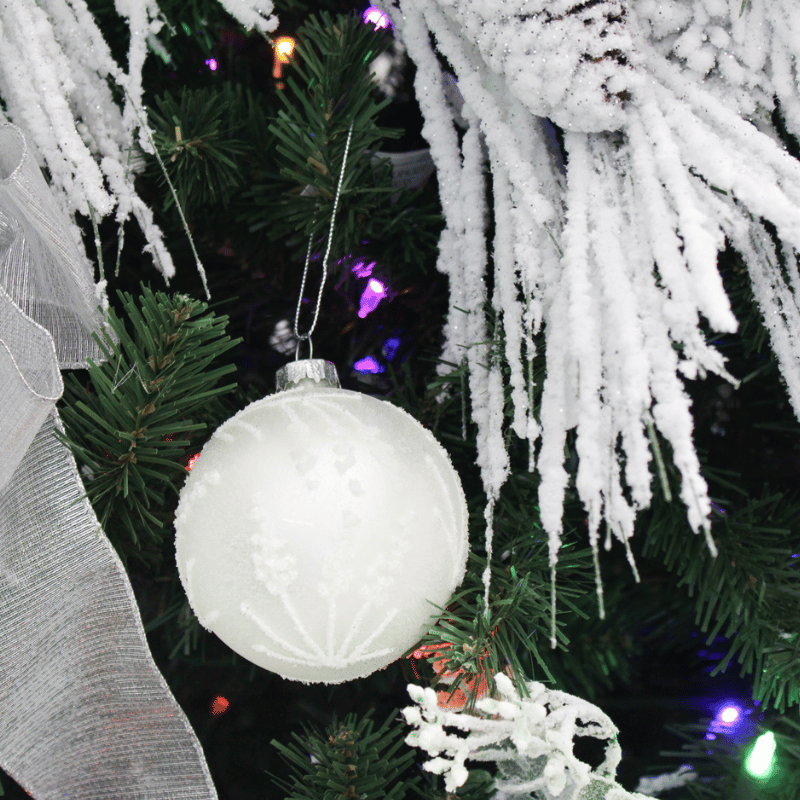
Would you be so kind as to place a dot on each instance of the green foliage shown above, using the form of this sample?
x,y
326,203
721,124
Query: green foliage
x,y
749,593
787,739
123,428
332,62
477,642
330,87
479,786
194,142
716,763
350,759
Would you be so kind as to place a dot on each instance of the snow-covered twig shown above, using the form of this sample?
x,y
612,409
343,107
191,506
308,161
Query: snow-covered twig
x,y
56,71
530,738
666,109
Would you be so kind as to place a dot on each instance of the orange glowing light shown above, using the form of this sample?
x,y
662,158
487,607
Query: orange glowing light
x,y
284,47
446,698
192,461
219,705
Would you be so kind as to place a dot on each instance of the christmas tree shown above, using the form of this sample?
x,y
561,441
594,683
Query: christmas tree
x,y
561,236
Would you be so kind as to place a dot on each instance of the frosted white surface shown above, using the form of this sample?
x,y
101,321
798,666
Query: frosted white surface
x,y
314,529
655,785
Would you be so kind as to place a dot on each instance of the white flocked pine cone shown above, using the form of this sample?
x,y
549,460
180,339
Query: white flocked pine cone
x,y
575,63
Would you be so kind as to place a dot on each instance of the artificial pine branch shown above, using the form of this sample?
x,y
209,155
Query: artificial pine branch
x,y
335,88
473,643
749,593
350,759
332,60
130,427
479,786
719,763
194,141
714,761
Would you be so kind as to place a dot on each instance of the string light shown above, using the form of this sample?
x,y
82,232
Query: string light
x,y
219,705
729,714
374,16
760,761
362,270
368,365
390,347
283,48
372,295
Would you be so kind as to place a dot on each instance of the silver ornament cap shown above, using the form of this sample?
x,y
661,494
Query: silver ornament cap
x,y
321,372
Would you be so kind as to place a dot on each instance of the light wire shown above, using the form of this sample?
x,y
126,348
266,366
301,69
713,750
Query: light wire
x,y
307,336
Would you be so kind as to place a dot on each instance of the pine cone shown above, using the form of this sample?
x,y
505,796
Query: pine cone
x,y
574,63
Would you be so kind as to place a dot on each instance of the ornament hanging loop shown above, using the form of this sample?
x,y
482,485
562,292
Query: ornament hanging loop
x,y
307,336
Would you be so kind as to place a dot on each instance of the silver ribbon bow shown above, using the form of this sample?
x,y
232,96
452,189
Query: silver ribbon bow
x,y
84,712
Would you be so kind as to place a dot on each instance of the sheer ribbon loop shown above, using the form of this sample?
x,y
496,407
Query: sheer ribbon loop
x,y
86,713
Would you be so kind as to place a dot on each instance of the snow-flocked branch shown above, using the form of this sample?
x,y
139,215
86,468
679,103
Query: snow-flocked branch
x,y
531,739
56,74
671,153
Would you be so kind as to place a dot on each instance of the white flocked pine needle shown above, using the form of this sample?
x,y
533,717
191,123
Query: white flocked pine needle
x,y
55,76
671,154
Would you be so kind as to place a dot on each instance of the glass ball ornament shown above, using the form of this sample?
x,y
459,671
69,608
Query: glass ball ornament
x,y
318,529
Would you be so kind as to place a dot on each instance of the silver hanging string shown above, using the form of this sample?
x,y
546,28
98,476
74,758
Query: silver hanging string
x,y
145,128
302,337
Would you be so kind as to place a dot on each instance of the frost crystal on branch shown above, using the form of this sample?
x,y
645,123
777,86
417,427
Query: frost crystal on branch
x,y
556,56
666,108
252,13
530,738
55,75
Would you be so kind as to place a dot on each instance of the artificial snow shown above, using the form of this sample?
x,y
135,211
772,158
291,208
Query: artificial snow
x,y
530,738
670,154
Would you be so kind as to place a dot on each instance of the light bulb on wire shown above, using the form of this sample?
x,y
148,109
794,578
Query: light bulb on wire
x,y
377,18
760,769
760,761
372,295
283,48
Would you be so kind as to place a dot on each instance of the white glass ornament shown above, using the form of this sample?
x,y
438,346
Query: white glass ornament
x,y
317,527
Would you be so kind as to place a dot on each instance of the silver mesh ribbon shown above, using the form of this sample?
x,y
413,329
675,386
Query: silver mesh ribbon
x,y
41,268
409,170
84,712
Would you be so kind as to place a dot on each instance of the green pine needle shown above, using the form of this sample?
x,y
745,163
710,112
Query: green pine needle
x,y
350,759
750,593
131,427
194,139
